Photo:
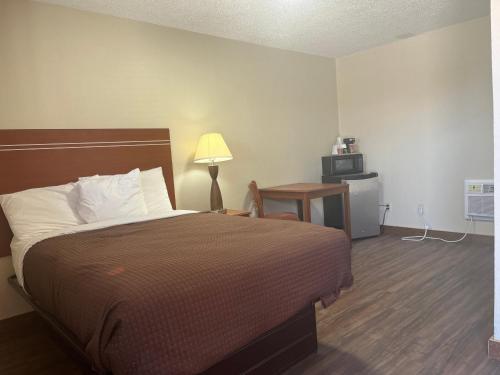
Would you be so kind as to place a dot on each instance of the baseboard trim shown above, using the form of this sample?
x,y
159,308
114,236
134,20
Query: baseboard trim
x,y
406,231
494,349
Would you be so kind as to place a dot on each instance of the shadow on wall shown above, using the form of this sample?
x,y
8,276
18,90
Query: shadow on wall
x,y
192,187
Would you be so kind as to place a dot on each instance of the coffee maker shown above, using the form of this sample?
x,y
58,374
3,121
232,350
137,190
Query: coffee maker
x,y
351,145
345,146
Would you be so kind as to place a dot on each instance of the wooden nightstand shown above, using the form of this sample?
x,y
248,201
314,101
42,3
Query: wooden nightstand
x,y
237,213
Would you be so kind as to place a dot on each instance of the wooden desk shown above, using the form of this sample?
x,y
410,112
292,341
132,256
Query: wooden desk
x,y
231,212
304,192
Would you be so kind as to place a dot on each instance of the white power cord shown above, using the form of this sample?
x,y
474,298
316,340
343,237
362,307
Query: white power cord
x,y
425,237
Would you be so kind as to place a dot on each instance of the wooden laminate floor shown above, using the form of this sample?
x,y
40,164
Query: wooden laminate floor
x,y
416,308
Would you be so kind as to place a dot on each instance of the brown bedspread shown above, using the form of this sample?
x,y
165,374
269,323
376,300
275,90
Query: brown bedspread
x,y
177,295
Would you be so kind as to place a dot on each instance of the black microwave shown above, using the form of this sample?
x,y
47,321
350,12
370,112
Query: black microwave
x,y
335,165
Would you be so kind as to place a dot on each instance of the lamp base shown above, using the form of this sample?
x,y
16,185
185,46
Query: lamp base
x,y
215,194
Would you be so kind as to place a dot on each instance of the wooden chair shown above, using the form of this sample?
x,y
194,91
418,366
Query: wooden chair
x,y
260,206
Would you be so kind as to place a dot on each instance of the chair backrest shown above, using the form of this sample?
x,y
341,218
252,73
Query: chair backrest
x,y
257,198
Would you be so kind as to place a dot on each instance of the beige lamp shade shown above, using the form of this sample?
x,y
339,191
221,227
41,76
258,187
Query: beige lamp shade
x,y
212,149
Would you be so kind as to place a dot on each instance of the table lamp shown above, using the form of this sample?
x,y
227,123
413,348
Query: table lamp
x,y
212,149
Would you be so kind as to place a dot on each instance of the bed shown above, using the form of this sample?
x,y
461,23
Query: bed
x,y
186,294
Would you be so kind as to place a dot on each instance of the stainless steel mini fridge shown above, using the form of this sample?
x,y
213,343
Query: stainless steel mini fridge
x,y
364,202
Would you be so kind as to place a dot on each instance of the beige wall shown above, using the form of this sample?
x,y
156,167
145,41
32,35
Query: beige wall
x,y
61,68
422,109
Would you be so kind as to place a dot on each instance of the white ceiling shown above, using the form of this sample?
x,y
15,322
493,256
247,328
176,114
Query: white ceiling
x,y
322,27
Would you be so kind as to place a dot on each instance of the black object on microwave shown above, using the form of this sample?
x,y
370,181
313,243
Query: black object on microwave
x,y
335,165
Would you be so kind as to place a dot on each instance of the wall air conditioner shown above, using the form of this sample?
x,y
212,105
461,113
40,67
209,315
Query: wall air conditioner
x,y
479,198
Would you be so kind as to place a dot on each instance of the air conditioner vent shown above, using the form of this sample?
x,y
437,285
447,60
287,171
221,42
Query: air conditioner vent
x,y
479,199
488,188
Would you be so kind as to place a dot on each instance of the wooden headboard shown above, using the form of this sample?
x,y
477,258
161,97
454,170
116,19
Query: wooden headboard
x,y
36,158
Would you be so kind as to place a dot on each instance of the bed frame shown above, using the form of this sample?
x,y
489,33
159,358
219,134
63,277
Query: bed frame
x,y
32,158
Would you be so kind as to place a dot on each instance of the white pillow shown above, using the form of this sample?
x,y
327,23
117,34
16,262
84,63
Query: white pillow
x,y
155,191
111,197
33,212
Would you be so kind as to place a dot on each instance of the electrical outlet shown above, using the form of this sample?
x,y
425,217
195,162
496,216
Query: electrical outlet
x,y
420,209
